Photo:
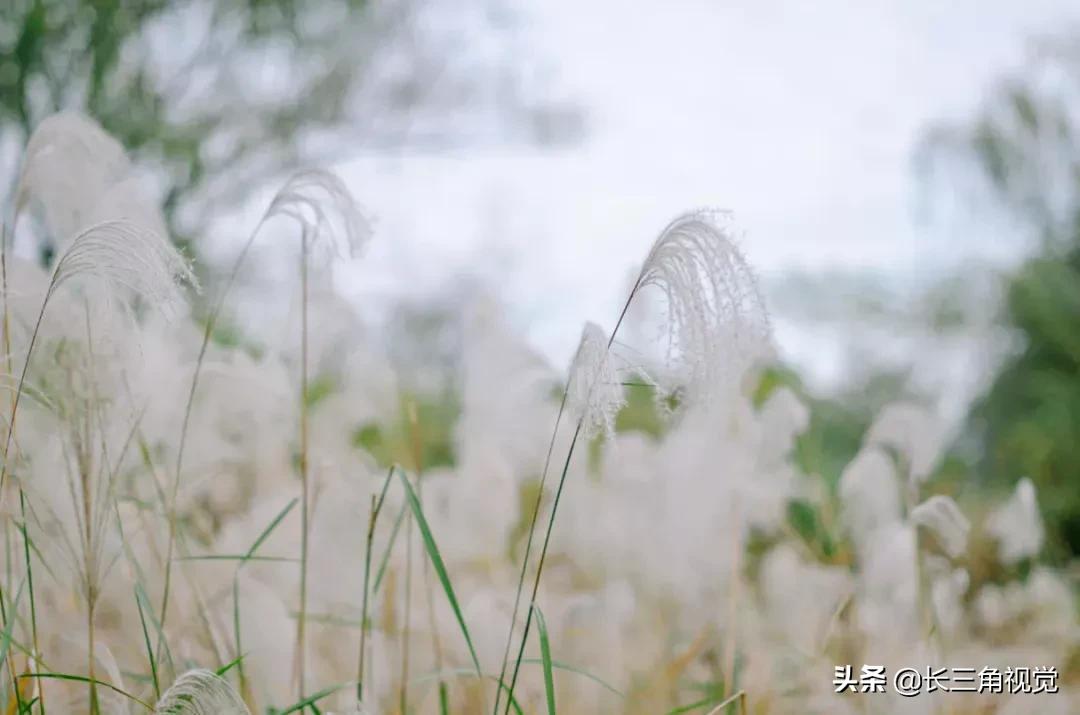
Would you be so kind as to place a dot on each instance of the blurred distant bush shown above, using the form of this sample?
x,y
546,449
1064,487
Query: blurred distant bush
x,y
1023,153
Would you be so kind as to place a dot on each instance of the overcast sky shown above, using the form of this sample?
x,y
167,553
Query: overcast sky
x,y
799,117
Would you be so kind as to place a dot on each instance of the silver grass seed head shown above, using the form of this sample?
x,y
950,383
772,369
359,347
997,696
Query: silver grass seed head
x,y
595,392
201,692
717,322
330,218
68,151
127,259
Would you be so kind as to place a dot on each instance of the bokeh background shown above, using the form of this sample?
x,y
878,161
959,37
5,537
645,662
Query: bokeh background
x,y
905,176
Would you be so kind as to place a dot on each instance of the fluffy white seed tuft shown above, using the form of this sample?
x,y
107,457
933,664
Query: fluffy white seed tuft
x,y
201,692
914,433
329,216
1016,524
717,322
126,258
79,175
943,517
595,393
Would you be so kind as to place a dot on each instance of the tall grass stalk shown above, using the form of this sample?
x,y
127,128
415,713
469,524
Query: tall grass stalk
x,y
406,627
533,519
554,510
33,665
9,368
373,517
305,484
416,439
714,312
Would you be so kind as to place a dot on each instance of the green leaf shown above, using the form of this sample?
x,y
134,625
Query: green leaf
x,y
545,657
90,681
437,563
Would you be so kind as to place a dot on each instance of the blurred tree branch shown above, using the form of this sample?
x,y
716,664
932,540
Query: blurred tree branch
x,y
213,95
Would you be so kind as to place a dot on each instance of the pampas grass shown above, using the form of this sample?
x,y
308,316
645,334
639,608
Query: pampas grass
x,y
217,524
200,692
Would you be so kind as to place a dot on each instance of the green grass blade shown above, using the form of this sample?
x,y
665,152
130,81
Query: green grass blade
x,y
237,557
5,637
444,699
220,672
700,704
559,665
270,528
162,649
545,657
385,561
312,699
438,565
469,673
90,681
149,646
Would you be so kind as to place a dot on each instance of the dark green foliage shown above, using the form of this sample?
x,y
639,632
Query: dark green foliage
x,y
1028,424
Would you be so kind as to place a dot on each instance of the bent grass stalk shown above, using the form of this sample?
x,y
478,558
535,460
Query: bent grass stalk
x,y
555,508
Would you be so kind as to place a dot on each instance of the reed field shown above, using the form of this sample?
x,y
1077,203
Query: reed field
x,y
199,518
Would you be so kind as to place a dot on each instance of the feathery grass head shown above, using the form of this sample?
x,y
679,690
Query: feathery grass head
x,y
201,692
126,258
70,154
79,175
325,209
717,322
594,392
1017,525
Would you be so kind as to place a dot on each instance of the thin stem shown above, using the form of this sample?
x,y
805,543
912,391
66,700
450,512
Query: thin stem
x,y
211,323
19,387
551,518
528,549
540,567
376,508
403,698
418,462
33,605
305,485
22,497
95,707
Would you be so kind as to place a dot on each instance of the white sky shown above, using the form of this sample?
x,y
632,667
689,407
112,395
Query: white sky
x,y
799,117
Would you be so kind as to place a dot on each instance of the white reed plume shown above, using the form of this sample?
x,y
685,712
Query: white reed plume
x,y
201,692
119,260
124,257
943,517
312,198
68,164
1016,524
717,327
717,324
332,222
914,433
595,392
